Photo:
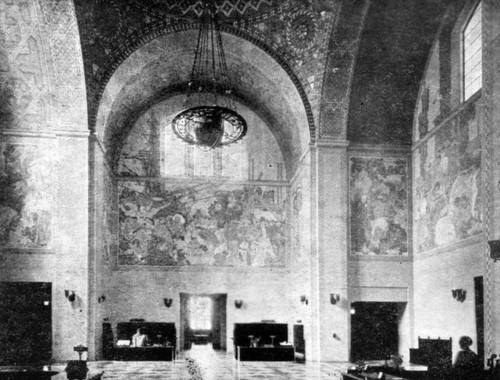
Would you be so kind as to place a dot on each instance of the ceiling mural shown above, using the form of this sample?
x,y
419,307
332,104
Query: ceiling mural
x,y
297,33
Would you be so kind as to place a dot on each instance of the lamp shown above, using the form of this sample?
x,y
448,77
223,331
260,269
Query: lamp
x,y
459,294
167,302
206,121
334,298
304,300
494,249
70,295
238,304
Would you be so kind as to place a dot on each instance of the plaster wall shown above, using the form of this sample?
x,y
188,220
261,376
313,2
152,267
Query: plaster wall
x,y
300,241
437,313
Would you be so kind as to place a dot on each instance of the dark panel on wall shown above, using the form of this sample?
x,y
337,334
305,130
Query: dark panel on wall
x,y
25,323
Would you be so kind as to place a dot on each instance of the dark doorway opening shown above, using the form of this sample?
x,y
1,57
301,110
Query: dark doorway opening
x,y
374,330
479,305
203,320
25,323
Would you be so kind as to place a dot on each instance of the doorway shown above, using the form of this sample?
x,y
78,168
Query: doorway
x,y
203,320
479,306
25,323
374,330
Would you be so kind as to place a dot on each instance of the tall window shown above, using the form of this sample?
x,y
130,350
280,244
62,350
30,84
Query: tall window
x,y
200,313
472,54
183,160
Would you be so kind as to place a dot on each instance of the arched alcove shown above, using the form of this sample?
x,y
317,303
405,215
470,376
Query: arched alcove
x,y
160,69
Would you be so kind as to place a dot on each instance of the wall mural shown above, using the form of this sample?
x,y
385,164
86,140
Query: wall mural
x,y
209,224
447,193
25,196
379,206
109,219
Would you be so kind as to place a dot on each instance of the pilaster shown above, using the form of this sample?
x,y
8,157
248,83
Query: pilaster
x,y
330,322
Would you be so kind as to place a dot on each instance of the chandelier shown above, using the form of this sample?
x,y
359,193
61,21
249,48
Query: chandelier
x,y
209,120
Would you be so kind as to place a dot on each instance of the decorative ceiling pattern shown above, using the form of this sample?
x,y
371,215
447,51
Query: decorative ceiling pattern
x,y
194,8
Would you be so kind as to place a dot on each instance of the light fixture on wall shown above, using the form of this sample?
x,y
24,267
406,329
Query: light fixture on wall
x,y
238,304
167,302
101,299
494,249
209,120
459,294
304,300
334,298
70,295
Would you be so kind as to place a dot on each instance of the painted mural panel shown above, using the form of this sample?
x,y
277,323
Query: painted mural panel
x,y
25,196
379,206
108,220
447,192
201,224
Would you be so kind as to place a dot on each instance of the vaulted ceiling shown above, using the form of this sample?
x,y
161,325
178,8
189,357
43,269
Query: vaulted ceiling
x,y
354,63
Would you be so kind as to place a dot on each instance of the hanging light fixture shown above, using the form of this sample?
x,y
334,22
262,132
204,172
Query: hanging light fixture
x,y
209,120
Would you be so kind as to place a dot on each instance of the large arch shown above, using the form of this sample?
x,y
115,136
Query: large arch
x,y
159,69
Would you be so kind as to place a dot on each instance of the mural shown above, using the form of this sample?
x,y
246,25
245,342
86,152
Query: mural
x,y
379,206
25,196
209,224
109,220
447,184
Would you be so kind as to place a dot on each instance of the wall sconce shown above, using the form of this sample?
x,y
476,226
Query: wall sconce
x,y
459,294
238,304
167,302
304,300
70,295
334,298
101,299
494,249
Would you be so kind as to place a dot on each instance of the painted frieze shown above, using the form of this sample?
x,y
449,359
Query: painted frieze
x,y
201,224
447,192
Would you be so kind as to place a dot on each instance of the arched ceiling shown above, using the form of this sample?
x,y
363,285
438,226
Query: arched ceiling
x,y
395,43
383,46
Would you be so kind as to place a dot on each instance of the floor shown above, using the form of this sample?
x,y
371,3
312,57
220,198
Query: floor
x,y
213,365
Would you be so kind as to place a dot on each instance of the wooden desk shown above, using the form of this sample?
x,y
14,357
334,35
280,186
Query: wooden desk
x,y
369,376
25,373
144,353
245,353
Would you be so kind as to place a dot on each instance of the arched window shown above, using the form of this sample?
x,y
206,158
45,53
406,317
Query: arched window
x,y
472,54
185,161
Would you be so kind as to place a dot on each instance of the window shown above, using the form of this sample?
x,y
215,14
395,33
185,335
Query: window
x,y
200,313
183,160
472,54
